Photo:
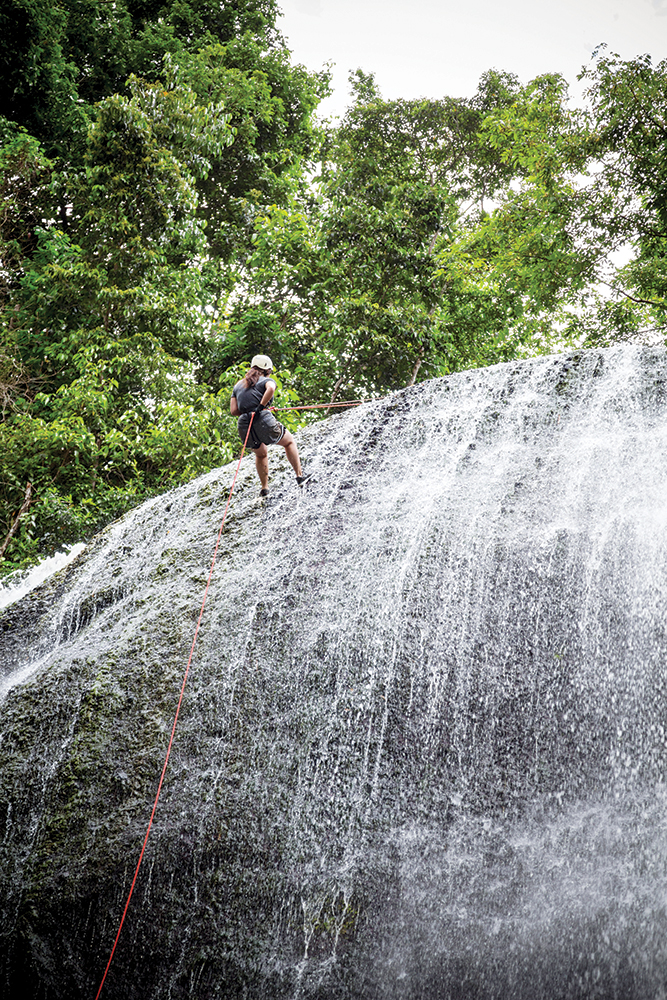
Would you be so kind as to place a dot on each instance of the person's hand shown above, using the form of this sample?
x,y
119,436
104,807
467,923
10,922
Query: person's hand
x,y
260,408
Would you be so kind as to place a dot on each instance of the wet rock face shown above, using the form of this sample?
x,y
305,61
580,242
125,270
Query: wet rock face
x,y
422,746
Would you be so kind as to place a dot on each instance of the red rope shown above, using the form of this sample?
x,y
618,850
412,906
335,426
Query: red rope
x,y
323,406
178,709
315,406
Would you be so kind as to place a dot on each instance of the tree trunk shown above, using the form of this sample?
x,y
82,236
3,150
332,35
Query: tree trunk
x,y
12,530
418,364
336,388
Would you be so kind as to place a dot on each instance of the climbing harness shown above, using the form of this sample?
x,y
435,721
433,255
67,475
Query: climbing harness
x,y
315,406
178,709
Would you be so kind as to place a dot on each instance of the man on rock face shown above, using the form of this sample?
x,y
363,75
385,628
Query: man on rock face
x,y
252,395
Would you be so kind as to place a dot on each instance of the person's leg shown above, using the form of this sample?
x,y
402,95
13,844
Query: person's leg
x,y
262,465
289,444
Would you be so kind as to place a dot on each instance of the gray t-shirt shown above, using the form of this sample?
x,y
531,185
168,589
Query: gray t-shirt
x,y
249,399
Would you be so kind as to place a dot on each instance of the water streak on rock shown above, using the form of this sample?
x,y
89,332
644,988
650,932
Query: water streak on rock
x,y
422,752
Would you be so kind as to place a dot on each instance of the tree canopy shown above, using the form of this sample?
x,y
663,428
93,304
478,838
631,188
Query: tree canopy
x,y
172,205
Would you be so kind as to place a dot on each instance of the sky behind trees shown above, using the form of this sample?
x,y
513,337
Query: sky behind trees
x,y
429,48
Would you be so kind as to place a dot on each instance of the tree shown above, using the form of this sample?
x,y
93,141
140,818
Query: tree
x,y
101,327
356,275
590,187
130,203
537,251
57,62
271,104
629,110
171,205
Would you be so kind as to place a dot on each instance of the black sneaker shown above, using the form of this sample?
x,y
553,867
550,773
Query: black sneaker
x,y
300,480
264,493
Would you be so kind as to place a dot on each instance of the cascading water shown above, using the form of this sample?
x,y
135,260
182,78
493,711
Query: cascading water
x,y
19,583
423,745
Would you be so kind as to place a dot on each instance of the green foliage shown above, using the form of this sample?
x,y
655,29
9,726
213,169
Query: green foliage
x,y
270,103
629,111
354,281
588,184
171,206
141,144
513,269
57,62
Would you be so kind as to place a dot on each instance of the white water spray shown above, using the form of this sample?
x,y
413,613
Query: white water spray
x,y
423,750
16,585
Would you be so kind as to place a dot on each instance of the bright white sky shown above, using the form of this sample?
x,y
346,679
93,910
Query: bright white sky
x,y
433,48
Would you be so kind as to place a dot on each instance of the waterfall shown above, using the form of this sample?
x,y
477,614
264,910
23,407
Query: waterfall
x,y
19,583
423,744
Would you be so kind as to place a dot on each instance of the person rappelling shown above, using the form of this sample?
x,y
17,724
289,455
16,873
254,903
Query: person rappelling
x,y
252,395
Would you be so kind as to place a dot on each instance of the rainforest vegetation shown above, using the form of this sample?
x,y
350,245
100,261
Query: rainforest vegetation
x,y
172,204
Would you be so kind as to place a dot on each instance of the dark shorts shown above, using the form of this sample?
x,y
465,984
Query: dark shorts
x,y
265,429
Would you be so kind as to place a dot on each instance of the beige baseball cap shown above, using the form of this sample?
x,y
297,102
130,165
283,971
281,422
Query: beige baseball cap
x,y
261,361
